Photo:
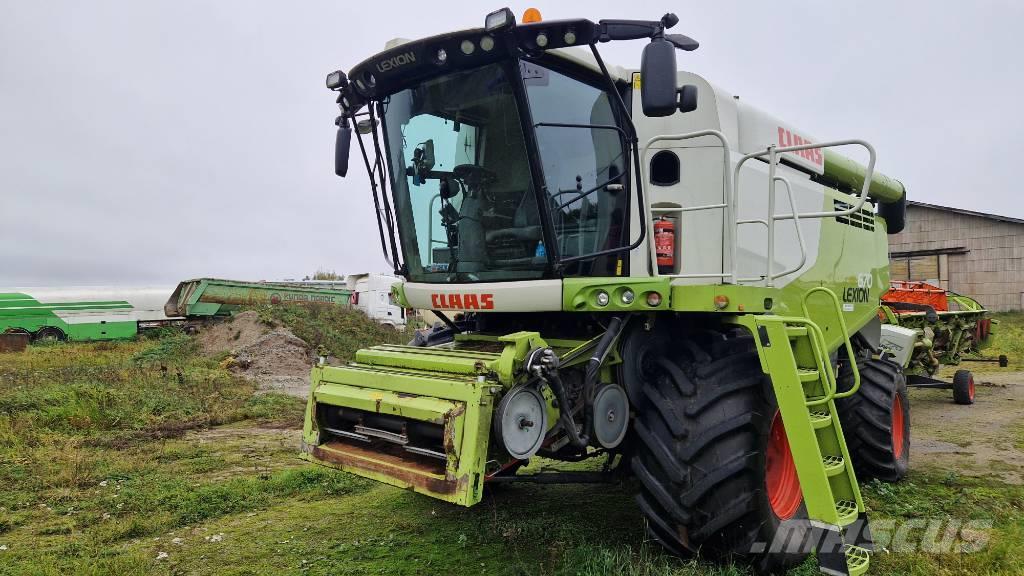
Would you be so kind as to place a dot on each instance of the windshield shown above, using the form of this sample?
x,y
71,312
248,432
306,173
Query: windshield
x,y
463,190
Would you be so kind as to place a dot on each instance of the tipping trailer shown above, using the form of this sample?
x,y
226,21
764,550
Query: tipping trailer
x,y
634,264
926,327
212,297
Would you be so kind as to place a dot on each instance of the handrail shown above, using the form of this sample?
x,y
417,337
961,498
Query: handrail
x,y
726,187
730,180
772,152
846,342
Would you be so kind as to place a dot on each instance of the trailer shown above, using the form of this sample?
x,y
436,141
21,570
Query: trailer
x,y
82,313
926,327
213,297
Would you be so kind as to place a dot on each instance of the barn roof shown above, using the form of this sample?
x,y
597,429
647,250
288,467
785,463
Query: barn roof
x,y
967,212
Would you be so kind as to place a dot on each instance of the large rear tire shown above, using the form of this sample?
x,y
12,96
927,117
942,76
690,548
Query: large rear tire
x,y
715,477
876,420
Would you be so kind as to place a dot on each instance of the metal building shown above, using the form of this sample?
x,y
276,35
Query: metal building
x,y
977,254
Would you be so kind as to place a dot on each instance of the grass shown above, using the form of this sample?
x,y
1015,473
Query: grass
x,y
146,458
333,330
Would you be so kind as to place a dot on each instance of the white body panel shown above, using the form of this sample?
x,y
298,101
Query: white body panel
x,y
147,301
527,296
702,236
899,342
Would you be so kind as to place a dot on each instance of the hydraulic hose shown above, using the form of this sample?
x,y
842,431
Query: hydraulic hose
x,y
565,411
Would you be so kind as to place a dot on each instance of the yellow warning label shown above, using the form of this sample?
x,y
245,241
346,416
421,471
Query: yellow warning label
x,y
636,81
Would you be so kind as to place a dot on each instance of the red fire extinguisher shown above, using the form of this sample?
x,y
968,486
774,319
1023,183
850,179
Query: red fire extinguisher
x,y
665,245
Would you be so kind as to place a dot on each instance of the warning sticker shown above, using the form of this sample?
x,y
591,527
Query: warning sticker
x,y
636,81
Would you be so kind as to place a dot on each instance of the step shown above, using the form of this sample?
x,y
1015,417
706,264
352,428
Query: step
x,y
834,465
820,419
857,559
796,331
808,375
847,511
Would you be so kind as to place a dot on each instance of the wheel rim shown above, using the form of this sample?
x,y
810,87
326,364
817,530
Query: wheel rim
x,y
781,481
897,427
970,386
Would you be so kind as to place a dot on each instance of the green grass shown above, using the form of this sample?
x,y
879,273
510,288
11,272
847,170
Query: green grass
x,y
111,454
333,330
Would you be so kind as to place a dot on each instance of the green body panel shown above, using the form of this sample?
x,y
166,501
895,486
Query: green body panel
x,y
844,173
444,386
214,297
99,320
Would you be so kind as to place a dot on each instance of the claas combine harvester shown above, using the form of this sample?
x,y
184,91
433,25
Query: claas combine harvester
x,y
630,264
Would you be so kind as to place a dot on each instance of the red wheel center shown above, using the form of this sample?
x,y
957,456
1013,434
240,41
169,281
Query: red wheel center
x,y
898,433
781,481
970,386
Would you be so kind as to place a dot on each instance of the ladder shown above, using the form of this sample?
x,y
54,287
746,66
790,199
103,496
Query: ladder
x,y
793,352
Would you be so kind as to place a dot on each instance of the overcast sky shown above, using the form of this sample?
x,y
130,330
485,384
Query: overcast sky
x,y
146,142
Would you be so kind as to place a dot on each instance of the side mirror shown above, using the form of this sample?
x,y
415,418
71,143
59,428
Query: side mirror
x,y
658,94
342,143
688,98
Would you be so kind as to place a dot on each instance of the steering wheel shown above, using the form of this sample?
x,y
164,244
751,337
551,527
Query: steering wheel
x,y
474,176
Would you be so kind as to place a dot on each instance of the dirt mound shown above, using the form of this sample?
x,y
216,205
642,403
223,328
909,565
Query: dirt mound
x,y
239,331
273,357
279,361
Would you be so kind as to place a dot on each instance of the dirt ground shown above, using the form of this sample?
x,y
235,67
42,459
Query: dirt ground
x,y
275,358
980,440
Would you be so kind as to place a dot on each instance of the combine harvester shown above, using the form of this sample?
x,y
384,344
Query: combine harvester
x,y
644,266
927,327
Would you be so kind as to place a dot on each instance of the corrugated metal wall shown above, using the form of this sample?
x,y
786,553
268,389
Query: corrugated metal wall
x,y
970,254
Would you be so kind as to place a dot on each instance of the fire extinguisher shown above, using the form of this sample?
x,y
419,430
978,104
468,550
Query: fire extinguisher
x,y
665,245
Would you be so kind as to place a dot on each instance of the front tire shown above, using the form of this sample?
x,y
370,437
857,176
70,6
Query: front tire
x,y
963,387
714,475
876,420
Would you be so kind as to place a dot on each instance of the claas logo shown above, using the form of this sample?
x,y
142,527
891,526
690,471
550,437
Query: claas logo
x,y
462,301
787,138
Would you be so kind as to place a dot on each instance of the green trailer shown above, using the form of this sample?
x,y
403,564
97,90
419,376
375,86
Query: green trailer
x,y
211,297
20,313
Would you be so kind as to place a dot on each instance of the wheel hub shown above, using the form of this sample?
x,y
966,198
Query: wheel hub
x,y
781,481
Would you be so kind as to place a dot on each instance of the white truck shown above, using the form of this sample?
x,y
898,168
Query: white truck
x,y
371,293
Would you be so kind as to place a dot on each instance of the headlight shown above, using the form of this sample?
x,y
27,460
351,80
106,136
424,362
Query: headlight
x,y
628,296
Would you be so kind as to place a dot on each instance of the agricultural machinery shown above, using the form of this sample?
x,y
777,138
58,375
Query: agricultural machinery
x,y
925,327
630,264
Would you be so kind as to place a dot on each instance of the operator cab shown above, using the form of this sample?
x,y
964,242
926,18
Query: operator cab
x,y
504,161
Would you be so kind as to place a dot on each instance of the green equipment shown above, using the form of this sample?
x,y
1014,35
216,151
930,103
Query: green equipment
x,y
927,327
210,297
628,263
65,319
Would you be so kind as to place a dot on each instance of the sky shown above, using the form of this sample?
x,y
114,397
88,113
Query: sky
x,y
149,142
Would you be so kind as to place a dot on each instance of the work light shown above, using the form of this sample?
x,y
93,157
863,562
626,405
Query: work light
x,y
499,19
335,79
